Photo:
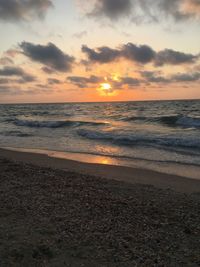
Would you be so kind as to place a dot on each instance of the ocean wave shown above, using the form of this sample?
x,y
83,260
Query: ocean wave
x,y
54,124
173,121
49,113
136,139
15,134
188,122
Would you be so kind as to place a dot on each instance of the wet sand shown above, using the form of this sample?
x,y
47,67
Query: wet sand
x,y
56,212
120,173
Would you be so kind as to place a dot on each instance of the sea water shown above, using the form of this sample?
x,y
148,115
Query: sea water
x,y
160,135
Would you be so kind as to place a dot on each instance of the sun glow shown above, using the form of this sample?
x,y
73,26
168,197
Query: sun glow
x,y
115,77
105,89
106,86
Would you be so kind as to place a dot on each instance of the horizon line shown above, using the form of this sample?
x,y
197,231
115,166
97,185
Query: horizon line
x,y
88,102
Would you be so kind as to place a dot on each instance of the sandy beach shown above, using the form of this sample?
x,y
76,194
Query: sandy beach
x,y
55,212
100,133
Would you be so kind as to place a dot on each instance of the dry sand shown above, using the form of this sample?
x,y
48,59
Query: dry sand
x,y
58,217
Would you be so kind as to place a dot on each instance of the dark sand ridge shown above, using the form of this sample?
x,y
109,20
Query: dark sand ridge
x,y
59,218
120,173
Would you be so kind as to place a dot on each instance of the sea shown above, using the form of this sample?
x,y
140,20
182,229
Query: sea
x,y
158,135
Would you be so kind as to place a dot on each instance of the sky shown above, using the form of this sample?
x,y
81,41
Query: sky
x,y
99,50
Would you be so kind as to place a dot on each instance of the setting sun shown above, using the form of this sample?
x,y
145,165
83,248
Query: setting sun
x,y
106,86
105,89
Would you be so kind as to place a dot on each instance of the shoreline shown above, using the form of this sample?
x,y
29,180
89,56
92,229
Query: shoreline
x,y
131,175
190,171
53,213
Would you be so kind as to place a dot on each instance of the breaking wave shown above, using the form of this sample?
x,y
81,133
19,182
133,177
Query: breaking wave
x,y
15,134
54,124
136,139
173,121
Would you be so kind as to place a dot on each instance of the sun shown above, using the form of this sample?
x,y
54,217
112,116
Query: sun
x,y
105,89
105,86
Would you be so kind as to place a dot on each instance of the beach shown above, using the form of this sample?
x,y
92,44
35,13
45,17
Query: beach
x,y
99,133
57,212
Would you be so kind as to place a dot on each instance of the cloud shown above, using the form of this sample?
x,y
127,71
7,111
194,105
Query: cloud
x,y
103,54
79,35
145,10
154,77
23,10
8,71
84,82
9,90
27,78
12,53
191,8
112,9
11,71
186,77
171,57
96,81
6,61
49,55
142,54
17,90
53,81
4,81
146,78
157,77
48,70
130,82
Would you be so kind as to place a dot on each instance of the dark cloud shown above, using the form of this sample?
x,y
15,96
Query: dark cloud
x,y
11,71
141,54
169,56
8,71
130,81
157,77
16,10
146,78
146,10
103,54
27,78
113,9
186,77
53,81
17,90
83,82
49,55
48,70
154,77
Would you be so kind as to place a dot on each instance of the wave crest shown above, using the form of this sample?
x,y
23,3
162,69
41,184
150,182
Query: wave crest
x,y
173,121
135,139
54,124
